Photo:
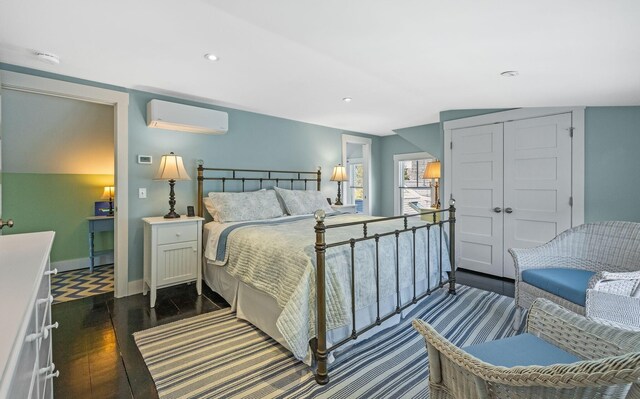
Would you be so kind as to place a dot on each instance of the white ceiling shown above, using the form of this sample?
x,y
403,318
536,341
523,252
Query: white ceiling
x,y
402,62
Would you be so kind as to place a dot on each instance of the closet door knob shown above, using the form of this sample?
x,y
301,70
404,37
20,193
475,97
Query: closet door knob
x,y
508,210
497,209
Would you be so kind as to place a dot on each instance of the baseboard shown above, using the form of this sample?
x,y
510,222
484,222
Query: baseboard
x,y
81,263
135,287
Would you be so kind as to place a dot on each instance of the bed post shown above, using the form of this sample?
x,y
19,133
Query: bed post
x,y
319,172
452,246
200,181
320,344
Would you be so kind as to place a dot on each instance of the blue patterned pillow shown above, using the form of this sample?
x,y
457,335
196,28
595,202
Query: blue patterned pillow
x,y
239,207
302,202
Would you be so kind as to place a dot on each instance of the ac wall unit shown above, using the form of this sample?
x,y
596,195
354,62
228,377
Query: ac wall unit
x,y
185,118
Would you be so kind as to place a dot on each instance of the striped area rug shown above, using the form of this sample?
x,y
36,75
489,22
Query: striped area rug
x,y
218,356
76,284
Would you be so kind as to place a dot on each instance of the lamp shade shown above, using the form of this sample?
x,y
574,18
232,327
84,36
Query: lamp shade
x,y
171,168
432,171
108,193
339,173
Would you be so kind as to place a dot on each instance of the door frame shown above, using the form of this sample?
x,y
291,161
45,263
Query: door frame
x,y
577,147
120,103
366,164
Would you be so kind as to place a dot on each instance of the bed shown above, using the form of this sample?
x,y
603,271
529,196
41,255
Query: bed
x,y
316,280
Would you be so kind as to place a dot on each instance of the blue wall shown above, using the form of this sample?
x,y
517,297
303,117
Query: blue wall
x,y
612,163
426,137
253,141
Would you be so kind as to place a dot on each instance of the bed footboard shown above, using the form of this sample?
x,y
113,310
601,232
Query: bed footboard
x,y
319,343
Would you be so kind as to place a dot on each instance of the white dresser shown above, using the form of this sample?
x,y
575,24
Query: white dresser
x,y
25,305
172,253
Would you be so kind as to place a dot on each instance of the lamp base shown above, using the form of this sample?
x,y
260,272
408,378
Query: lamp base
x,y
171,215
337,202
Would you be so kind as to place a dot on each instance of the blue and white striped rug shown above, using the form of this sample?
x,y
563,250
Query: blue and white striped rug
x,y
218,356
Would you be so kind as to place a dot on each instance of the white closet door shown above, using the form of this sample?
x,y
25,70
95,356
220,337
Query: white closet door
x,y
477,188
537,182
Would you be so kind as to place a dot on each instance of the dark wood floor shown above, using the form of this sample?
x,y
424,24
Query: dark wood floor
x,y
94,348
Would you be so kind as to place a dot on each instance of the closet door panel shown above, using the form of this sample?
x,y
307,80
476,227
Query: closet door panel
x,y
477,188
537,182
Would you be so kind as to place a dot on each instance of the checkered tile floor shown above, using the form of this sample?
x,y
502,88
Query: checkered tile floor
x,y
77,284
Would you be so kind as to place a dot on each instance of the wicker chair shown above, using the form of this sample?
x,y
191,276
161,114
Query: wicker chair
x,y
610,369
609,249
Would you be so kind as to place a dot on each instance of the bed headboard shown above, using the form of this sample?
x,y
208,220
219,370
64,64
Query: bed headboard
x,y
257,179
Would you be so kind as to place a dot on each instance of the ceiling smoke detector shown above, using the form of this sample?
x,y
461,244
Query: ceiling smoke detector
x,y
347,99
49,58
509,74
211,57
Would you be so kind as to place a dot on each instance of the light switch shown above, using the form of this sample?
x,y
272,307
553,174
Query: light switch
x,y
142,192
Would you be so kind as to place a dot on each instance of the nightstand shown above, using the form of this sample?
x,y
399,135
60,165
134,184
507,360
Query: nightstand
x,y
344,208
98,224
172,253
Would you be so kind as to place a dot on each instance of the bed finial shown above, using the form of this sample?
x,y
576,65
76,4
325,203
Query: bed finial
x,y
319,215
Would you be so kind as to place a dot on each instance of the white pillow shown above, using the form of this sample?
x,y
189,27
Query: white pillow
x,y
302,202
239,207
208,205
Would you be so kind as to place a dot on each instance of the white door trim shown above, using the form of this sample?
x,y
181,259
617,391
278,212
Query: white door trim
x,y
366,162
396,175
577,162
120,103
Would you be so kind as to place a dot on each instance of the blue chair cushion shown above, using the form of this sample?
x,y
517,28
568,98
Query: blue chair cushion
x,y
570,284
520,350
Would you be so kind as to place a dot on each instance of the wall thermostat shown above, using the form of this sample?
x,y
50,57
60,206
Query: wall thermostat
x,y
144,159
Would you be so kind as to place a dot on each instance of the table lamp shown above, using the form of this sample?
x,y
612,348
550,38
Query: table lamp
x,y
432,171
108,194
339,175
172,169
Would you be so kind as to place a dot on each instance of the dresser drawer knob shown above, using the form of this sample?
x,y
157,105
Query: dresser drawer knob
x,y
48,299
53,375
49,328
49,369
33,337
51,272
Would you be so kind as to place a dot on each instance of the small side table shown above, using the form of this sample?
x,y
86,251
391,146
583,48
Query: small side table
x,y
98,224
172,253
344,208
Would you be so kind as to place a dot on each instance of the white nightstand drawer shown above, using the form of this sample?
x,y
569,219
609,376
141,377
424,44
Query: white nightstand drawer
x,y
178,232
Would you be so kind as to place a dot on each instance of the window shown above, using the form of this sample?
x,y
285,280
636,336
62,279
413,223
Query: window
x,y
412,191
356,184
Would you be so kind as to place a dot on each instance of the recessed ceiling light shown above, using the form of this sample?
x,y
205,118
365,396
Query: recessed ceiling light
x,y
211,57
509,74
347,99
48,57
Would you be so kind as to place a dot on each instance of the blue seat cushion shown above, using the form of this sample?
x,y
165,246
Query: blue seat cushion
x,y
570,284
520,350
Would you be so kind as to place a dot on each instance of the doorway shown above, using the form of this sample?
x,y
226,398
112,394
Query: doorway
x,y
356,156
118,102
59,186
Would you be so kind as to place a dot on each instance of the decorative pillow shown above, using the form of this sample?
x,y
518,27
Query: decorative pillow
x,y
238,207
302,202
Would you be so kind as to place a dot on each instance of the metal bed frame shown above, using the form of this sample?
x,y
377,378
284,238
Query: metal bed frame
x,y
319,343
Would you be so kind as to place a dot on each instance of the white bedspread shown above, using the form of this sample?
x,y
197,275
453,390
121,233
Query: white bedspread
x,y
280,260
